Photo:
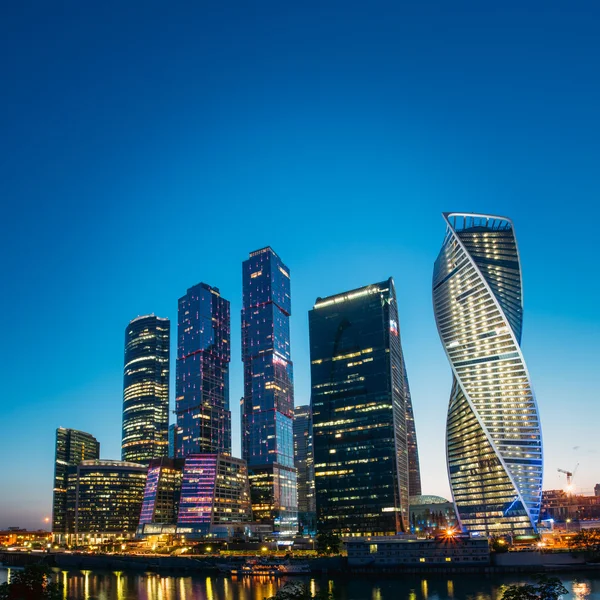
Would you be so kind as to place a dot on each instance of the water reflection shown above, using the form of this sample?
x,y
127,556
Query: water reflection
x,y
581,590
117,585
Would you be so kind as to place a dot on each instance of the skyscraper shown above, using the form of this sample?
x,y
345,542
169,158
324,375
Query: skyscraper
x,y
146,389
202,387
268,402
303,459
493,435
72,447
414,469
359,402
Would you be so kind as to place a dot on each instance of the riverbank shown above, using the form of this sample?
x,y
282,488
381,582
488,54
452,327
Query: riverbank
x,y
186,565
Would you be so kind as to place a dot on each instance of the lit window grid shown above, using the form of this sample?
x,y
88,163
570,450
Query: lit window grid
x,y
488,362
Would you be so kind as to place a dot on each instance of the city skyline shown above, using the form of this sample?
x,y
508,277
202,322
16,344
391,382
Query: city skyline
x,y
238,445
135,166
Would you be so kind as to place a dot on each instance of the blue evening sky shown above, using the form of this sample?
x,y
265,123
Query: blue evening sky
x,y
148,146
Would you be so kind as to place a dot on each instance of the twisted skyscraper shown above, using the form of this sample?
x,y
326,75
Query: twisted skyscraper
x,y
493,435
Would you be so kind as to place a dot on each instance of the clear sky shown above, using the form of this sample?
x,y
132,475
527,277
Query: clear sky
x,y
148,146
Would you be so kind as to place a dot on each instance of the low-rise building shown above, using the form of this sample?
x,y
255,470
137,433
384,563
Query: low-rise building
x,y
15,536
214,493
408,551
562,506
431,514
104,499
161,497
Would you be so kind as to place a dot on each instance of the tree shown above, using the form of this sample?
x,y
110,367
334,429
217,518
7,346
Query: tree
x,y
588,541
296,590
328,543
498,545
548,588
33,583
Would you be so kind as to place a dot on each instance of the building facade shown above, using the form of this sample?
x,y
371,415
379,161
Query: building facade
x,y
104,500
431,514
160,505
71,448
202,378
268,402
414,468
174,433
146,389
303,459
493,434
562,506
214,494
359,406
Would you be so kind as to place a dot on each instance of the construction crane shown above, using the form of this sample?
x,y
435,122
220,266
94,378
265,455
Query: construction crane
x,y
570,475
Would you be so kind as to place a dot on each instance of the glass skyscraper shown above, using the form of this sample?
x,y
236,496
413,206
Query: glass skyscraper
x,y
72,447
303,459
360,403
493,435
268,402
202,383
414,469
146,389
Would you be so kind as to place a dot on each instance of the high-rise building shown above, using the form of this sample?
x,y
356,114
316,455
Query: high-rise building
x,y
414,469
71,448
303,459
268,402
104,500
493,434
597,489
161,497
215,496
174,433
146,389
202,387
359,405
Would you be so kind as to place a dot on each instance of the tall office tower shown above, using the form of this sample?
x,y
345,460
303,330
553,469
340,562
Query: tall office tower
x,y
104,500
268,402
146,389
202,387
303,459
359,403
414,470
597,489
174,433
493,434
72,447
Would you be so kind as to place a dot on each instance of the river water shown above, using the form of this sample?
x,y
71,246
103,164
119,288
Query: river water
x,y
107,585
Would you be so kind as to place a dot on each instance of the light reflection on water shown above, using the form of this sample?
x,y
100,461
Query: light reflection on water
x,y
117,585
